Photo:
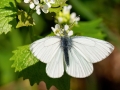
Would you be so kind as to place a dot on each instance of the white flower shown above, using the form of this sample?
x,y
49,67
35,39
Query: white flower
x,y
56,30
66,17
66,9
27,1
66,28
73,18
49,2
32,5
70,33
36,2
60,31
44,8
38,11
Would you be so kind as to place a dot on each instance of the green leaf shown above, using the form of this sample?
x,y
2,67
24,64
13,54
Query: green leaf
x,y
19,1
24,19
56,10
90,28
58,6
36,73
82,10
30,68
23,58
6,73
7,15
59,3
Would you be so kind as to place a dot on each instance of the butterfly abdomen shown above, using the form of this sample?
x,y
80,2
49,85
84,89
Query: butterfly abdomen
x,y
65,44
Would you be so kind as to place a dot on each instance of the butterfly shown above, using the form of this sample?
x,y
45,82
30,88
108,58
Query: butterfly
x,y
75,54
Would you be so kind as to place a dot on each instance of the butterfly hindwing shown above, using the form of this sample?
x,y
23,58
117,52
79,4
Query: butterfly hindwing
x,y
78,67
55,68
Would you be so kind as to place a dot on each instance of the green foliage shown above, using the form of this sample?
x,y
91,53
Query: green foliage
x,y
25,64
19,1
23,58
7,18
56,10
90,28
59,3
24,19
82,10
6,73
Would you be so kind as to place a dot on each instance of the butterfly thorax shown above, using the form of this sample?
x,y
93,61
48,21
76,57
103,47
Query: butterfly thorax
x,y
66,45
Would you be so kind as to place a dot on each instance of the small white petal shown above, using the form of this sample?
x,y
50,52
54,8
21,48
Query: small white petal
x,y
32,5
69,7
60,19
49,1
73,18
37,7
73,15
57,26
45,8
38,11
27,1
53,29
48,4
70,33
77,19
66,27
66,9
36,2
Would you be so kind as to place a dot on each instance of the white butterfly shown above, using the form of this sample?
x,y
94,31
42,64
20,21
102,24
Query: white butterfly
x,y
76,54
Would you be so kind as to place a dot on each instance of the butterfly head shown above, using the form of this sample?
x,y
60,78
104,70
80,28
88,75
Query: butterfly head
x,y
62,31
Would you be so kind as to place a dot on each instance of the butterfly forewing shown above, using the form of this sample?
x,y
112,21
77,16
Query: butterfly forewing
x,y
45,49
93,50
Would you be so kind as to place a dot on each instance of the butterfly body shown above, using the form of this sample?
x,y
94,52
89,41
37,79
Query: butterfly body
x,y
66,45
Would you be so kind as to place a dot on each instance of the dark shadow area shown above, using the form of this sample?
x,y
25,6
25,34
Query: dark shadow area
x,y
105,84
36,75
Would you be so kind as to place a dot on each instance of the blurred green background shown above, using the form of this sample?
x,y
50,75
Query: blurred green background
x,y
104,15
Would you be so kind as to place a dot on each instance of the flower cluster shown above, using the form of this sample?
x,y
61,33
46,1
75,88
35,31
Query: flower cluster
x,y
61,31
43,5
65,17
